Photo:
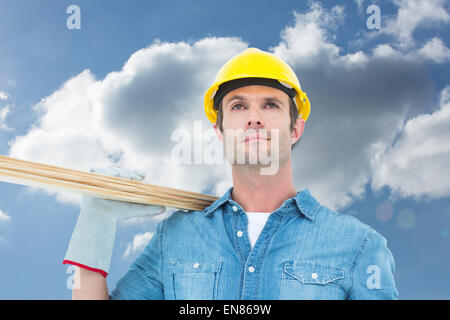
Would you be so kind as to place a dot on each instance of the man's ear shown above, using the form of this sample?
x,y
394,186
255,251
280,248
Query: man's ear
x,y
297,132
218,132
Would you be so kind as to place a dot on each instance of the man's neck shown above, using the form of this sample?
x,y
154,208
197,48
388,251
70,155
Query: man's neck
x,y
262,193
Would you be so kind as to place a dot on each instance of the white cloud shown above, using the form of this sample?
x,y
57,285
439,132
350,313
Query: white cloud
x,y
385,50
3,114
413,14
359,103
417,163
64,135
131,112
358,100
138,244
308,38
435,50
4,217
4,111
4,95
359,4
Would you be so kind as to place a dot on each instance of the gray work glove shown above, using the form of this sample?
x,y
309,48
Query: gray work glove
x,y
92,241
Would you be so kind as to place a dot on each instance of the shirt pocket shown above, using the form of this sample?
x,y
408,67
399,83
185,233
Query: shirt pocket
x,y
310,281
195,280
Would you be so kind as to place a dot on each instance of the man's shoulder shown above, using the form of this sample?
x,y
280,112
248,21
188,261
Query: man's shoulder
x,y
184,216
345,224
184,213
184,227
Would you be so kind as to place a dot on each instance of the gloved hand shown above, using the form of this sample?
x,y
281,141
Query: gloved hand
x,y
92,241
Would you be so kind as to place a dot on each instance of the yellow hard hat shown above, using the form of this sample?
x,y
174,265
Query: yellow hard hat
x,y
257,65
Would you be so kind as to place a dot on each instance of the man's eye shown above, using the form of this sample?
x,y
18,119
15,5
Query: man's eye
x,y
237,106
272,105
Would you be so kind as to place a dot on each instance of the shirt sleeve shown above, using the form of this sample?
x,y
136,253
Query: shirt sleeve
x,y
143,279
373,271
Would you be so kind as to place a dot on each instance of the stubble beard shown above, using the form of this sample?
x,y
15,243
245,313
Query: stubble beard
x,y
261,155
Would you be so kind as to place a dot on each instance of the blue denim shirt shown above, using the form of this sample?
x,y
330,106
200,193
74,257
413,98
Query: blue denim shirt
x,y
305,251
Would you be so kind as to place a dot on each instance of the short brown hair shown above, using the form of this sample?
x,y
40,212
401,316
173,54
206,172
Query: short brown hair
x,y
293,111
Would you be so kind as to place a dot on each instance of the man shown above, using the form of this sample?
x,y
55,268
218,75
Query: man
x,y
261,239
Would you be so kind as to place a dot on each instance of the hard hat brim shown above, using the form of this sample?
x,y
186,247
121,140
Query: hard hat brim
x,y
300,99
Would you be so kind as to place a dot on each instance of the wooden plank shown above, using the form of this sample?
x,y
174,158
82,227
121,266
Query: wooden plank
x,y
98,185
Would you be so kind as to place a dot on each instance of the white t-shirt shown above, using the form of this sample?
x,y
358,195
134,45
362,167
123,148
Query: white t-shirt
x,y
256,222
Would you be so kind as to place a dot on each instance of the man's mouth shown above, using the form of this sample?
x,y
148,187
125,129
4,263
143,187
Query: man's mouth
x,y
255,137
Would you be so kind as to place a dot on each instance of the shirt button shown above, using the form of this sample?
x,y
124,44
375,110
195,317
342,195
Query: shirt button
x,y
251,269
239,233
314,275
235,208
196,265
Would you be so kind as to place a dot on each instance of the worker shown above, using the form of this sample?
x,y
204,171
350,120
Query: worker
x,y
261,239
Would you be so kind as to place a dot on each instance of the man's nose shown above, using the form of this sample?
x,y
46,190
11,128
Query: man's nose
x,y
254,120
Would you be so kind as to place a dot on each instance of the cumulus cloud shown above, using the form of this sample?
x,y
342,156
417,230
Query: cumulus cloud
x,y
360,101
4,217
130,115
413,14
4,95
138,244
3,114
435,50
4,111
417,163
308,40
359,4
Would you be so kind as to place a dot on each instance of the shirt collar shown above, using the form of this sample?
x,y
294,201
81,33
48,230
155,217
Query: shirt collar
x,y
305,202
216,204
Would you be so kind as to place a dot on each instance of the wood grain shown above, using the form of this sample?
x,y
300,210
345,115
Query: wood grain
x,y
98,185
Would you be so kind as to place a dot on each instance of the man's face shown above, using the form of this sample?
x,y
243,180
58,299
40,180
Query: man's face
x,y
256,123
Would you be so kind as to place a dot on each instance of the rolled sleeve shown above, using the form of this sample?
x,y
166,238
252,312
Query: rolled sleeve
x,y
373,270
143,279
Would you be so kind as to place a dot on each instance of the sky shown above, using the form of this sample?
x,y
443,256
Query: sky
x,y
115,90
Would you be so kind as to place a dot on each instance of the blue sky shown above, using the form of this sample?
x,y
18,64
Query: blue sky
x,y
375,145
